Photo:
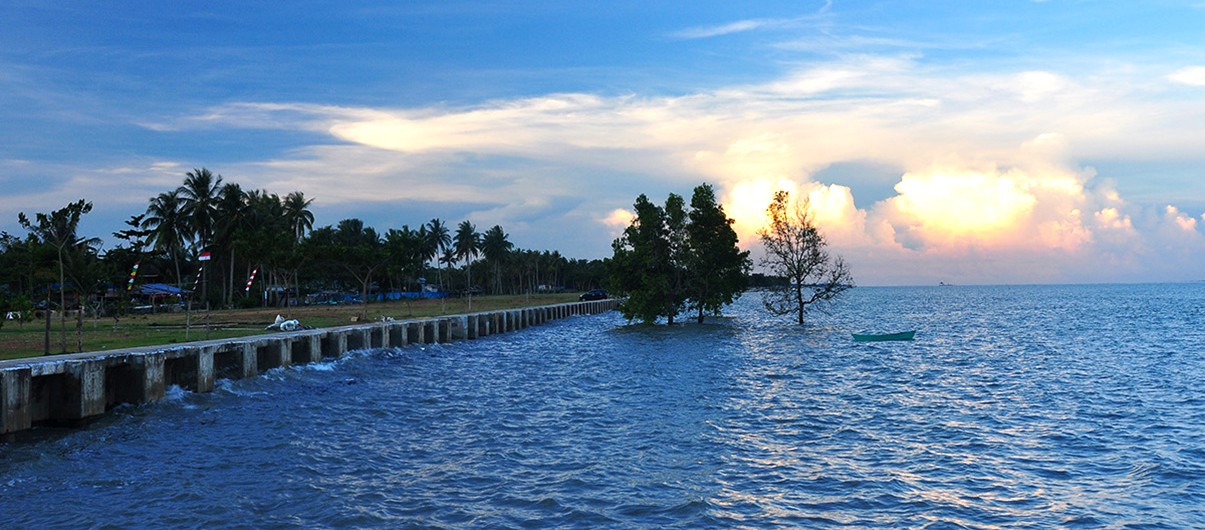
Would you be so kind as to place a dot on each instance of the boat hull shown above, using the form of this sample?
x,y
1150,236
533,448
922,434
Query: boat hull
x,y
905,335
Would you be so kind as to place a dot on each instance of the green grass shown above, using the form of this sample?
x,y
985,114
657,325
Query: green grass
x,y
20,341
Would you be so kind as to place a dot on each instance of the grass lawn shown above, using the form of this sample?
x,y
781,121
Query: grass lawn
x,y
27,340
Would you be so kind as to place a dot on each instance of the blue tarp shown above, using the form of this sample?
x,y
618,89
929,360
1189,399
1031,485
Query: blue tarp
x,y
409,294
159,289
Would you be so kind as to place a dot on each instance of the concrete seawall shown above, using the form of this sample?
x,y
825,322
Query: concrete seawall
x,y
70,389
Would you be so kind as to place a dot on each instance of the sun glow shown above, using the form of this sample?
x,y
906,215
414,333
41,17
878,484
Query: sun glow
x,y
960,205
746,203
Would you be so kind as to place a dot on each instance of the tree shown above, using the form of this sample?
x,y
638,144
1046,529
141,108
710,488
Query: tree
x,y
59,231
670,259
300,220
168,227
642,265
716,267
438,242
124,263
298,214
405,250
798,252
198,202
467,243
496,247
233,219
360,251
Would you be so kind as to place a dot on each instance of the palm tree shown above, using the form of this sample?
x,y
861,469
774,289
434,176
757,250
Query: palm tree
x,y
198,201
496,247
232,218
298,214
166,222
438,242
467,244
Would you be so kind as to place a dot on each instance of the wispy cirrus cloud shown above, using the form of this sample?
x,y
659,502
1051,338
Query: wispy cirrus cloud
x,y
740,26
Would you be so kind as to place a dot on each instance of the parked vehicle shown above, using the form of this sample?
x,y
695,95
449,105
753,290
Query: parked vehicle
x,y
595,294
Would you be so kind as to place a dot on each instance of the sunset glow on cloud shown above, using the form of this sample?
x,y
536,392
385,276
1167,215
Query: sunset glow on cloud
x,y
926,155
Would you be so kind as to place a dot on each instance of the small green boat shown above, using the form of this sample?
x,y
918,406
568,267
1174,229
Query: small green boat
x,y
903,335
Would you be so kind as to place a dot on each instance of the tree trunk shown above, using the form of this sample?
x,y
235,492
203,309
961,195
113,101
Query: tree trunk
x,y
79,330
799,301
62,306
230,281
46,345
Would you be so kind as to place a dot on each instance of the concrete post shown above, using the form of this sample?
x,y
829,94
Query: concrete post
x,y
460,328
14,400
445,330
430,331
396,332
88,396
153,387
250,363
205,369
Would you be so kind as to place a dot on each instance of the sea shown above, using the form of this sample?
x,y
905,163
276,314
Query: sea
x,y
1079,406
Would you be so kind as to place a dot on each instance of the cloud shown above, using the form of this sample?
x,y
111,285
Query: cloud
x,y
1190,75
739,26
746,25
1186,222
990,162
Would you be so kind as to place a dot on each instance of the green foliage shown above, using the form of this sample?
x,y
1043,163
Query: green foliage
x,y
717,270
74,256
669,259
642,265
247,230
467,245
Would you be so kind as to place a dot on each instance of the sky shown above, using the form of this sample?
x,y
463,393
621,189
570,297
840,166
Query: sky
x,y
979,142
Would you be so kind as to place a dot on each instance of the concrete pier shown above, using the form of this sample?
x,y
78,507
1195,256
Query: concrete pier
x,y
69,389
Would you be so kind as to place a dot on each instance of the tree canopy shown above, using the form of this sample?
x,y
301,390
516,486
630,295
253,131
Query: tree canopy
x,y
253,233
669,260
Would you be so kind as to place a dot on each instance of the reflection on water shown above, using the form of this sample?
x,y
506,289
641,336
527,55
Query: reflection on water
x,y
1031,407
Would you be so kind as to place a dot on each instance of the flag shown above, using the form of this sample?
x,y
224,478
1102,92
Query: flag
x,y
133,274
204,256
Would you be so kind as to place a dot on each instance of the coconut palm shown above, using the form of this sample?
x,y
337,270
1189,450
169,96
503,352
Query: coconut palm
x,y
297,213
198,201
467,244
438,242
168,227
496,247
232,218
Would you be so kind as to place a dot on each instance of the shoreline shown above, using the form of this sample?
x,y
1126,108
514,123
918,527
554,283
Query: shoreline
x,y
70,389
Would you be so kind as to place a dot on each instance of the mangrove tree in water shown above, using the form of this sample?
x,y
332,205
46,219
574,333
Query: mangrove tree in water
x,y
669,260
797,252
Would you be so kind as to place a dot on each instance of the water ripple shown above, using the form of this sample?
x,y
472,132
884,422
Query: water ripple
x,y
1017,407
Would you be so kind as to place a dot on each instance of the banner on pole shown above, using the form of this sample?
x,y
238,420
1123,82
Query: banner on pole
x,y
133,274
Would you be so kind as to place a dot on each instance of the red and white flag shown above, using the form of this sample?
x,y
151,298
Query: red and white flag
x,y
251,279
204,255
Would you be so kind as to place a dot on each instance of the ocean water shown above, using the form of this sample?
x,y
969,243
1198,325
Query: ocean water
x,y
1015,407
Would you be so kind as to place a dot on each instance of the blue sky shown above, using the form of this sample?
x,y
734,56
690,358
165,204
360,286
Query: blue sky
x,y
973,142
